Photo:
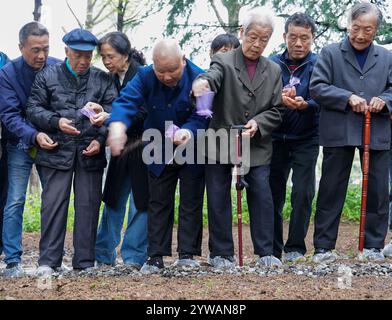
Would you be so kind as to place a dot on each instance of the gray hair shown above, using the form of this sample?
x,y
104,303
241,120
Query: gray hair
x,y
258,16
363,8
32,29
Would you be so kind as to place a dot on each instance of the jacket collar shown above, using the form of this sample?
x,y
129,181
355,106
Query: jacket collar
x,y
284,57
74,80
349,56
132,69
240,66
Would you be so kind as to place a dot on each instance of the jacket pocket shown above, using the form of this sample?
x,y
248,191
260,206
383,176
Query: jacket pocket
x,y
61,157
93,163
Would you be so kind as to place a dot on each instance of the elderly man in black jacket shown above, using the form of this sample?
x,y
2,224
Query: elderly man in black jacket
x,y
58,95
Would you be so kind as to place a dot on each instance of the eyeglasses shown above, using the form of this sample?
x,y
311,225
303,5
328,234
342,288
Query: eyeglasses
x,y
252,38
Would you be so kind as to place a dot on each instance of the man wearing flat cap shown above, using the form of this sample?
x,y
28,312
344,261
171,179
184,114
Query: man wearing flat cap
x,y
57,97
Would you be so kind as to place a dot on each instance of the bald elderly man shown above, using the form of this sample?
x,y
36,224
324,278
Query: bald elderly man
x,y
163,89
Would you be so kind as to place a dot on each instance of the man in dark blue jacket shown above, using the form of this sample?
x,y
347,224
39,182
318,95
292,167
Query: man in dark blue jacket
x,y
295,142
3,165
164,90
16,79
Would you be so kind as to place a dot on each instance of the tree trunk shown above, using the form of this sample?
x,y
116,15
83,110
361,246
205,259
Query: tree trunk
x,y
34,182
89,15
37,10
120,15
233,10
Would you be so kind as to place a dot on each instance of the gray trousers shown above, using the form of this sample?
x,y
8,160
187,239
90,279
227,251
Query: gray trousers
x,y
54,211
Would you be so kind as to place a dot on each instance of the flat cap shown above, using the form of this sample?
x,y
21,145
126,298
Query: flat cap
x,y
80,39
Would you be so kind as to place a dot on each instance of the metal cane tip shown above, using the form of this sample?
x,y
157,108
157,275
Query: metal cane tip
x,y
360,256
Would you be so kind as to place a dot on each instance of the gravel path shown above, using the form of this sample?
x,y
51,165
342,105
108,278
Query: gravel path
x,y
347,278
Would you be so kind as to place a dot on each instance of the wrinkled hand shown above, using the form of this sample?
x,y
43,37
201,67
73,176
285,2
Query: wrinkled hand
x,y
296,103
182,136
93,148
100,117
65,126
117,137
376,105
199,87
358,104
97,108
289,92
45,142
251,127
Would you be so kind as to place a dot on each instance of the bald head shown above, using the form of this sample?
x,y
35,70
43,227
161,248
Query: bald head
x,y
166,48
169,62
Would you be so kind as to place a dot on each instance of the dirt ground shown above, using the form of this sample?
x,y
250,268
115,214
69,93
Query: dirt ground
x,y
209,287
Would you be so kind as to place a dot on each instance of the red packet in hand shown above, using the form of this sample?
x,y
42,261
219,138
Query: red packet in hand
x,y
86,111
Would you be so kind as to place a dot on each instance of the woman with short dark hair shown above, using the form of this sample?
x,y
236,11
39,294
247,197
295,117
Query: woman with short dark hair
x,y
223,43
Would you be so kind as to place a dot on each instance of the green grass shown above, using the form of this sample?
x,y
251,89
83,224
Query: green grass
x,y
31,215
351,210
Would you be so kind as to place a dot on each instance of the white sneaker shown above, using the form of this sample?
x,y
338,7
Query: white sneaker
x,y
269,261
374,255
14,271
44,271
222,262
186,263
388,250
326,256
152,265
293,257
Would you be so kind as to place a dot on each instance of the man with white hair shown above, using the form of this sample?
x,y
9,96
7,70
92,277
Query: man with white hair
x,y
351,78
248,92
163,90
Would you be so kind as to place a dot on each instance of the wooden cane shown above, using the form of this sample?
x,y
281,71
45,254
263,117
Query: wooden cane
x,y
240,185
239,198
239,222
365,179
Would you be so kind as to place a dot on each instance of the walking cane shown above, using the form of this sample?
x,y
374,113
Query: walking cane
x,y
240,185
365,179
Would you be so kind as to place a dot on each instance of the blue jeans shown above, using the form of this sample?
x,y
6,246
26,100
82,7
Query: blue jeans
x,y
3,188
134,246
19,169
390,190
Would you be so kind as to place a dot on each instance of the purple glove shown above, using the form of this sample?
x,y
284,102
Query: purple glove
x,y
204,104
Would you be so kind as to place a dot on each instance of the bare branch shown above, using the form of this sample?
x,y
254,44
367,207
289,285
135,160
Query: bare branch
x,y
73,13
99,13
212,3
206,25
98,21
